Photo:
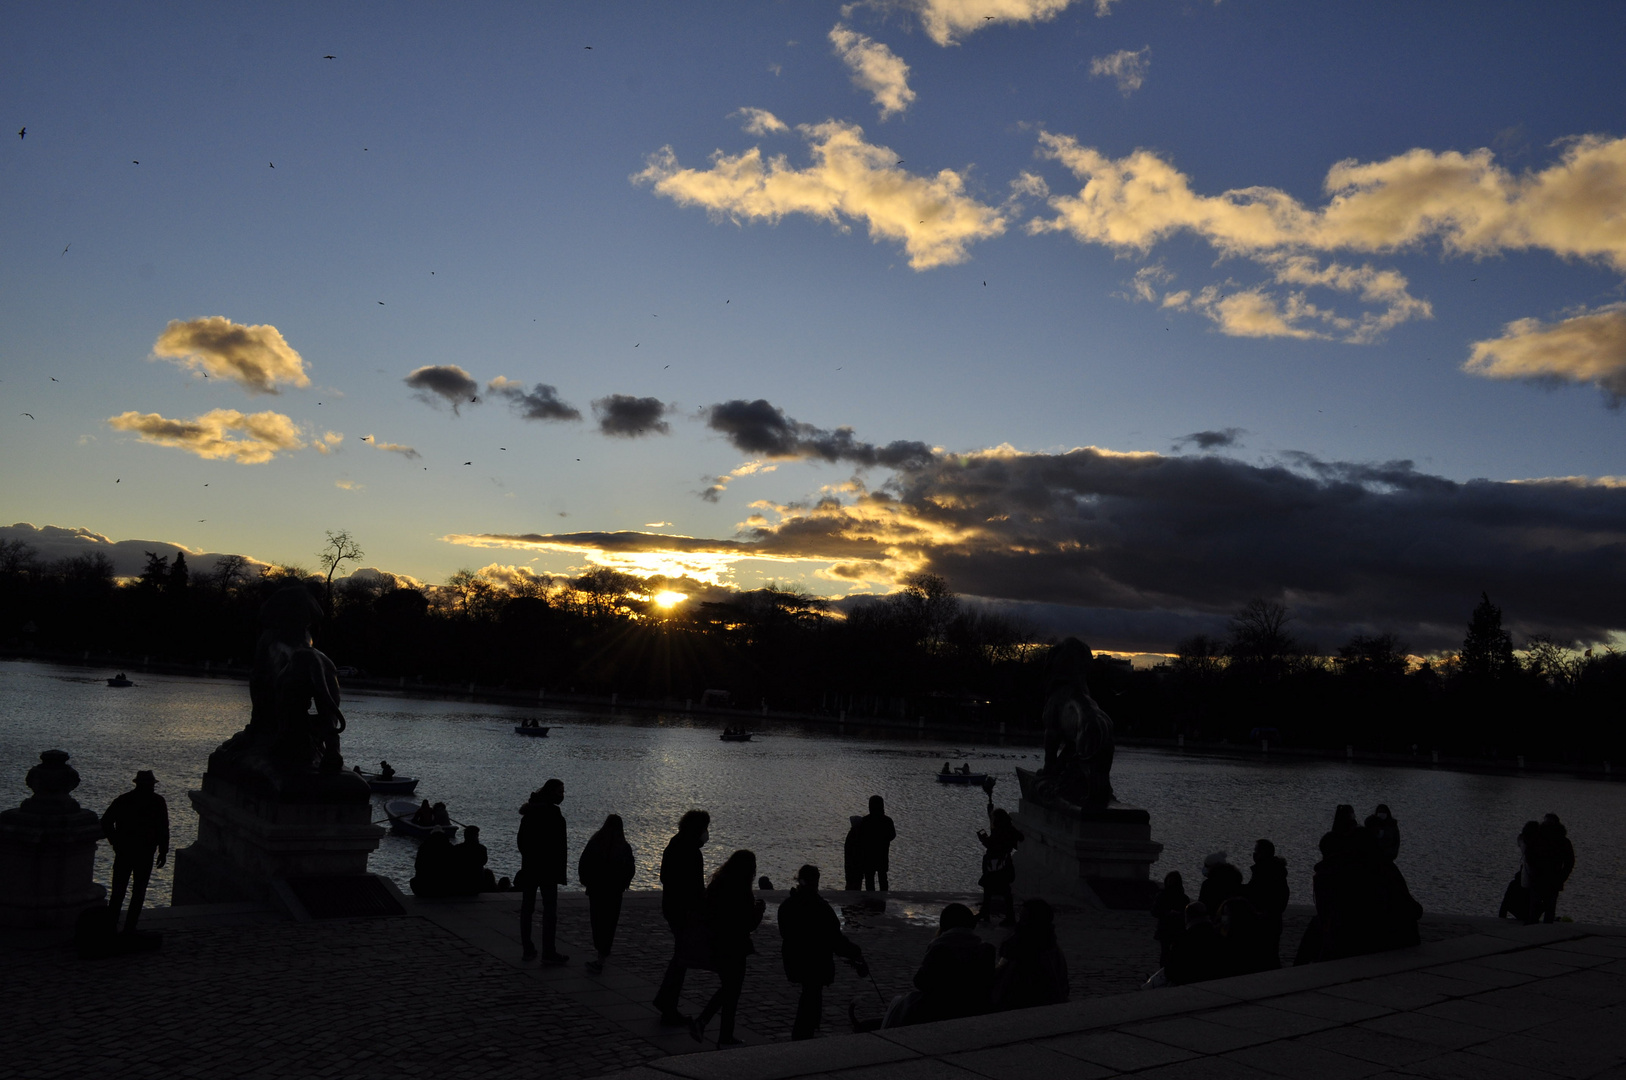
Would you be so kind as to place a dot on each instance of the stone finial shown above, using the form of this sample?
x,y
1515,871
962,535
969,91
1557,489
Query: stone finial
x,y
50,781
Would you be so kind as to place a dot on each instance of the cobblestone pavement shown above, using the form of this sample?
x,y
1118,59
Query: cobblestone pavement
x,y
442,992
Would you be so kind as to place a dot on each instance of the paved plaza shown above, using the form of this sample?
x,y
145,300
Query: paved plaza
x,y
441,992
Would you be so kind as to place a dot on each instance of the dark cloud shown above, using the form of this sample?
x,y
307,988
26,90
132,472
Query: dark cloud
x,y
541,403
628,417
759,427
1209,440
446,381
1148,547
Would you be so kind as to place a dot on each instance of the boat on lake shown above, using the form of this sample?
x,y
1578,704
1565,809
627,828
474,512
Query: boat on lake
x,y
389,785
119,680
537,731
961,777
735,736
400,813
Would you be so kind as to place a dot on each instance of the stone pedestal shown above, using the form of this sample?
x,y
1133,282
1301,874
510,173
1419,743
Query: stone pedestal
x,y
1098,857
259,822
48,852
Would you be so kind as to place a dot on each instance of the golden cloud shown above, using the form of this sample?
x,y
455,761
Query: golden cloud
x,y
328,443
849,180
255,357
1586,348
946,21
1127,66
260,436
876,69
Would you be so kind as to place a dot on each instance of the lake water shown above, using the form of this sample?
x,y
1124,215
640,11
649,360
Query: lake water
x,y
786,795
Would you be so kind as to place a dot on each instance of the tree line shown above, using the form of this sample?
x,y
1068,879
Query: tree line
x,y
921,652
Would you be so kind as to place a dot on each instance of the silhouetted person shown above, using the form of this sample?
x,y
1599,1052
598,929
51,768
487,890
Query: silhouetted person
x,y
683,905
876,833
1169,909
1384,832
1031,969
1553,863
1516,898
945,764
732,915
1250,944
441,815
810,940
1221,881
385,770
434,871
542,867
424,815
955,977
763,884
1267,890
1199,954
605,870
472,856
852,851
999,844
137,827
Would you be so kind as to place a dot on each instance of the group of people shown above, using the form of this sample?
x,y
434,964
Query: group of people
x,y
1234,927
1362,904
867,853
429,817
1546,860
443,868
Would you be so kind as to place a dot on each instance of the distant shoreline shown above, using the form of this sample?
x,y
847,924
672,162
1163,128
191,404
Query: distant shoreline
x,y
473,692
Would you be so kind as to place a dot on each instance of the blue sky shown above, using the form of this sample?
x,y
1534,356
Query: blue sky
x,y
478,172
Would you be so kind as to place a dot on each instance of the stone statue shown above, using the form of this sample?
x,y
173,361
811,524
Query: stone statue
x,y
290,676
1078,740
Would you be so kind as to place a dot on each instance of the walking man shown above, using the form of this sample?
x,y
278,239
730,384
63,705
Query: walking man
x,y
810,940
683,903
137,826
542,867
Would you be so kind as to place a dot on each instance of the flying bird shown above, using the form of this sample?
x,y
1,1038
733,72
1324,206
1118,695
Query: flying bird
x,y
474,399
53,378
587,46
22,133
468,463
27,414
272,164
900,161
119,480
330,57
381,303
65,250
135,163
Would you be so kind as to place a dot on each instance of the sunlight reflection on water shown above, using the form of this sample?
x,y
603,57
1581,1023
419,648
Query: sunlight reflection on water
x,y
787,794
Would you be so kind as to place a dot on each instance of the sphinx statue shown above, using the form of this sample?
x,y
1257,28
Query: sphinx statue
x,y
1078,737
288,678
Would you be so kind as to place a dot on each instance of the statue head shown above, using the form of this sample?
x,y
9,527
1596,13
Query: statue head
x,y
291,612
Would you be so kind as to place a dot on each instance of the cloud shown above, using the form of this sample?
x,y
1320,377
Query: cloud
x,y
348,485
255,357
394,448
1180,541
761,122
628,417
129,557
849,180
1575,208
1209,440
1127,66
759,427
946,21
1589,347
328,443
446,381
541,403
876,69
261,436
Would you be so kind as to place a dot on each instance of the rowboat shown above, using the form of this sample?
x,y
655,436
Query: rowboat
x,y
400,812
961,777
394,785
735,736
536,732
119,680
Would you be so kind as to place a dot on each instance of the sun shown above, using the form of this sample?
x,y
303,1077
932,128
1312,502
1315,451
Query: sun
x,y
669,599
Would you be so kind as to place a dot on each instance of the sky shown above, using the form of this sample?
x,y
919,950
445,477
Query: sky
x,y
1114,313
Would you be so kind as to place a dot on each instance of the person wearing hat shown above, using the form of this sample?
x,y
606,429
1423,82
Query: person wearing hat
x,y
810,940
137,826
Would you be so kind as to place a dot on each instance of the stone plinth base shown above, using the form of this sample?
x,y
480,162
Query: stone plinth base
x,y
1102,857
48,852
255,828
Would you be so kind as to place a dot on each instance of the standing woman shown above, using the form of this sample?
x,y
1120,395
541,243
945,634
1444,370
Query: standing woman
x,y
732,914
999,843
605,870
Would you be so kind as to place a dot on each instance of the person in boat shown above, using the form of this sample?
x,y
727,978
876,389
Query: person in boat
x,y
385,770
356,769
137,827
965,770
440,815
946,769
424,815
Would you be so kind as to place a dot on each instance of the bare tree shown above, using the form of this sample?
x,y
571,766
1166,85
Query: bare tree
x,y
338,550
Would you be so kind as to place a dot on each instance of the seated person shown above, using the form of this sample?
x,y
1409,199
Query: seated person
x,y
945,768
1200,952
1031,970
955,977
435,871
472,875
384,770
966,768
424,815
440,815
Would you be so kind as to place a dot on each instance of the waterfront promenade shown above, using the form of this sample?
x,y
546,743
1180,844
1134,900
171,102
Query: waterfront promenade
x,y
441,992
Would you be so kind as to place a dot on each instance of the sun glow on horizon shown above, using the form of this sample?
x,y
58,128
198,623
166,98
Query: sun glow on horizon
x,y
669,599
